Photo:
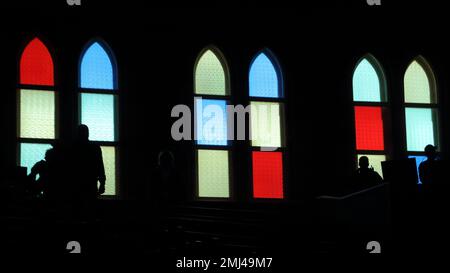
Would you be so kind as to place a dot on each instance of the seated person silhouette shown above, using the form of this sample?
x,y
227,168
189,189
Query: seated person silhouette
x,y
366,177
45,170
86,167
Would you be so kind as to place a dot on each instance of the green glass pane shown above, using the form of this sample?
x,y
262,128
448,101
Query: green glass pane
x,y
265,124
209,75
366,84
375,162
37,114
213,174
417,84
31,153
97,112
109,161
419,128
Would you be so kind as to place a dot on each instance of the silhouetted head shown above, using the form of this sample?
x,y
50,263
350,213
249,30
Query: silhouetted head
x,y
82,133
363,162
50,155
166,159
430,152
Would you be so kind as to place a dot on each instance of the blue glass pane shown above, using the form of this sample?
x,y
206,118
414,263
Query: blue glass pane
x,y
419,128
211,122
366,84
31,153
97,112
419,159
263,78
96,69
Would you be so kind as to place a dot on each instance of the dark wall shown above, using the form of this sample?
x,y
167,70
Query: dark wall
x,y
156,47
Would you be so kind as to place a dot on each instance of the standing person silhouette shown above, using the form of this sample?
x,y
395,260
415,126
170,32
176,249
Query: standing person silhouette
x,y
88,172
429,172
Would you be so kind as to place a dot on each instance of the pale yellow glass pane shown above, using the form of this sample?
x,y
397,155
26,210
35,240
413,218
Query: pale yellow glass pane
x,y
265,124
375,162
417,84
109,161
209,75
213,174
37,114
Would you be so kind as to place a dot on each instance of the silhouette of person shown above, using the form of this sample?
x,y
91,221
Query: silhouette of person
x,y
43,169
87,163
86,175
366,177
427,169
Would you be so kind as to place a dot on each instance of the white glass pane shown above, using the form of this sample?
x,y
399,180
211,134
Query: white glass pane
x,y
213,174
37,114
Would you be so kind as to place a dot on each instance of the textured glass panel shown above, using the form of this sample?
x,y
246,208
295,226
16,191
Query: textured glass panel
x,y
96,69
419,128
369,128
265,124
211,122
31,153
97,112
366,84
419,159
375,162
263,78
267,174
213,173
109,161
210,75
37,114
36,64
417,84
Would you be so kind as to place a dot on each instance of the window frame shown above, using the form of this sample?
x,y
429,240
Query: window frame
x,y
230,143
35,87
384,104
115,93
282,102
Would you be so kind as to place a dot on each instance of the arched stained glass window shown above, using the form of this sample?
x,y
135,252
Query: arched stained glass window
x,y
36,65
212,146
263,78
96,70
417,85
98,105
267,132
420,108
36,103
210,75
369,98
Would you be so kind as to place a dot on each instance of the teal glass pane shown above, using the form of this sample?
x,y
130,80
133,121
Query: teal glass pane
x,y
419,159
263,78
211,122
366,84
31,153
417,84
419,128
97,112
210,75
96,69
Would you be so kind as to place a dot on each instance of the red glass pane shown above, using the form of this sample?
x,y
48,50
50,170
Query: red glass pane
x,y
267,174
36,64
369,128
